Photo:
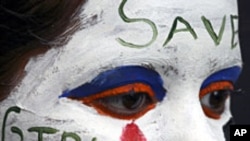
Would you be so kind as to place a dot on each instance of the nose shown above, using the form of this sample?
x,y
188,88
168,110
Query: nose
x,y
182,120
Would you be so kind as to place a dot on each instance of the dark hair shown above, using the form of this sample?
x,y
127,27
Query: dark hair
x,y
29,27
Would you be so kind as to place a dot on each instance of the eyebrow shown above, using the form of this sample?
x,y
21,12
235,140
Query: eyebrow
x,y
119,76
229,74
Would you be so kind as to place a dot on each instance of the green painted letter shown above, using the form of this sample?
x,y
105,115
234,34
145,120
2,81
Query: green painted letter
x,y
234,31
174,30
130,20
70,135
209,27
17,131
11,109
41,130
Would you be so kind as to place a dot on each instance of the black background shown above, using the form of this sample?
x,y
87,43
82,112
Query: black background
x,y
241,101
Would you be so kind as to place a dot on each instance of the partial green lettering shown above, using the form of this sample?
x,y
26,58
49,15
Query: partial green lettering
x,y
70,135
132,20
174,30
234,31
39,130
216,38
42,130
17,131
11,109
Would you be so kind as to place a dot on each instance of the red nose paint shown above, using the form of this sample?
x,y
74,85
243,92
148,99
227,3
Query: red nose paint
x,y
132,133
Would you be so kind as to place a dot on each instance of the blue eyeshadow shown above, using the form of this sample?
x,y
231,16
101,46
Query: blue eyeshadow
x,y
120,76
229,74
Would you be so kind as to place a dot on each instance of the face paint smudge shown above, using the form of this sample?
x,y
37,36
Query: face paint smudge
x,y
132,133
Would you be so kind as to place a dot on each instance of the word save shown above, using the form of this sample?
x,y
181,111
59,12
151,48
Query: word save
x,y
216,37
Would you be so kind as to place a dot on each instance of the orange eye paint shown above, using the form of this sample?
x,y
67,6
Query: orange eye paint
x,y
113,102
215,87
213,98
136,87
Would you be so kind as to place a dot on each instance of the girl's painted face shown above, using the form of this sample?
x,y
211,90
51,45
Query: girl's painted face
x,y
139,70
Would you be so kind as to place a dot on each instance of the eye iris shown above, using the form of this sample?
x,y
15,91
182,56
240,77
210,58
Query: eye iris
x,y
133,101
217,98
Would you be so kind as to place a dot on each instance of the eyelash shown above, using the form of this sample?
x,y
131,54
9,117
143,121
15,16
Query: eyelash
x,y
113,102
214,96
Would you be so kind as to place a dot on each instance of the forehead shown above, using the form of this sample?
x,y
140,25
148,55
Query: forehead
x,y
147,26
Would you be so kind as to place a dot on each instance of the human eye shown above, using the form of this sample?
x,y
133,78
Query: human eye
x,y
126,102
216,89
124,92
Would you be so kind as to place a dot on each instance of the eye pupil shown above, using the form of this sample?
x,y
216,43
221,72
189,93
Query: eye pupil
x,y
134,100
217,98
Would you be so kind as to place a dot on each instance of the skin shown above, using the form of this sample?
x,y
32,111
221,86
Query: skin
x,y
183,64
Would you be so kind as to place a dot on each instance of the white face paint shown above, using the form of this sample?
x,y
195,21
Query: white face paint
x,y
183,64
